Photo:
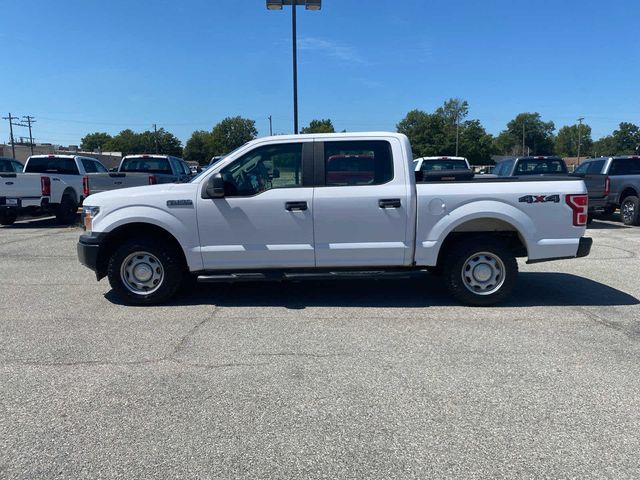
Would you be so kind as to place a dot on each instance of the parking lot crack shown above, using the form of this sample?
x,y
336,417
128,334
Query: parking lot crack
x,y
183,344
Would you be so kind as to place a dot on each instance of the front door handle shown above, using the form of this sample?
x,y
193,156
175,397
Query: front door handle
x,y
295,206
389,203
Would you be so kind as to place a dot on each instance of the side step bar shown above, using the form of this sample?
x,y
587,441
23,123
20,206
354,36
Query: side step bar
x,y
307,275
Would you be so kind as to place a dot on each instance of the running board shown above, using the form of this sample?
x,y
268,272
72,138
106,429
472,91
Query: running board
x,y
296,276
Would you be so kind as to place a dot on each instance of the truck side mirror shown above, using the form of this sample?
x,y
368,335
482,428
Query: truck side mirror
x,y
215,186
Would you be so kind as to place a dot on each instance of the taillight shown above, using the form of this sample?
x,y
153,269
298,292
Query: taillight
x,y
45,186
85,186
607,186
579,205
152,180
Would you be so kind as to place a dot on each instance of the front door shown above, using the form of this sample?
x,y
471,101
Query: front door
x,y
265,219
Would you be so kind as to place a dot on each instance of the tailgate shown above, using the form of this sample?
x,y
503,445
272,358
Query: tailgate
x,y
104,182
596,185
20,185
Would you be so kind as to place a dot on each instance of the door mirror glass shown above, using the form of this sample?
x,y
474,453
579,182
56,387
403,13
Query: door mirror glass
x,y
215,186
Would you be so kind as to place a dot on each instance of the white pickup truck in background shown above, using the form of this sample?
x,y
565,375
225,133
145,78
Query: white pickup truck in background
x,y
58,184
331,206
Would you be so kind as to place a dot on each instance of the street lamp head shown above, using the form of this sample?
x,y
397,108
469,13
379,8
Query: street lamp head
x,y
274,4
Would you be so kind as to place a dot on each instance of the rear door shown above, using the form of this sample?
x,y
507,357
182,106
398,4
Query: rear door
x,y
361,203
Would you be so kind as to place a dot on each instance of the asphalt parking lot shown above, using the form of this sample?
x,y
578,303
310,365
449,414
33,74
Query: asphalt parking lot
x,y
364,380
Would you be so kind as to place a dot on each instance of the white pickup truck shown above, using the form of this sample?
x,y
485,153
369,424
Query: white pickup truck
x,y
58,184
330,206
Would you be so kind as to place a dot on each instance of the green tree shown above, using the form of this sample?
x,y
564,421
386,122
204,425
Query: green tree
x,y
425,132
231,133
197,147
475,143
566,141
319,126
626,139
604,146
539,138
129,142
94,141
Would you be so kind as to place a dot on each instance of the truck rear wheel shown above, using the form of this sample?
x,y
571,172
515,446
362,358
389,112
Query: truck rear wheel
x,y
480,271
630,210
145,272
8,217
67,211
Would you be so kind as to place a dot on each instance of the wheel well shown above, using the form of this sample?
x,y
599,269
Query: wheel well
x,y
71,193
129,231
485,228
627,192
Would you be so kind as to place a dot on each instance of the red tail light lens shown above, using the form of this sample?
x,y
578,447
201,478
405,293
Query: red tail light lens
x,y
607,186
152,180
45,186
85,186
579,205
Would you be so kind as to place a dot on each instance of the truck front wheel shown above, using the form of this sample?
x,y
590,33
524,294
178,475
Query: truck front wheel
x,y
145,272
480,271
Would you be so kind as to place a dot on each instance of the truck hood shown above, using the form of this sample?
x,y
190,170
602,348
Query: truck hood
x,y
148,194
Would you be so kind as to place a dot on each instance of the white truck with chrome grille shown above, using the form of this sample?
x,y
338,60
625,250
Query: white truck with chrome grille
x,y
331,206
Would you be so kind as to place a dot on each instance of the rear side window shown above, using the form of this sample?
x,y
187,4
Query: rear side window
x,y
61,165
625,166
17,166
366,162
146,164
540,166
100,168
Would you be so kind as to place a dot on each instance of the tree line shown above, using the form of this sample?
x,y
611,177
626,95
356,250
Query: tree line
x,y
446,131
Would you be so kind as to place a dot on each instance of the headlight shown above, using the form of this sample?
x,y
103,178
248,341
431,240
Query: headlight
x,y
88,214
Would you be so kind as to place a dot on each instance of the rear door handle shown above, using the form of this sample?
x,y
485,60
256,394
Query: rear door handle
x,y
295,206
389,203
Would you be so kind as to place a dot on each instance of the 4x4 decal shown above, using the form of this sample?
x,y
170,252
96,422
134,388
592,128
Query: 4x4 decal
x,y
540,199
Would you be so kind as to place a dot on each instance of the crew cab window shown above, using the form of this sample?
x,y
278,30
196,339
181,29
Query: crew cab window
x,y
590,167
540,166
146,164
625,166
52,164
89,166
358,162
100,168
503,168
262,169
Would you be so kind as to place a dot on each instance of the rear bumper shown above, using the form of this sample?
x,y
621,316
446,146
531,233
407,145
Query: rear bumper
x,y
584,247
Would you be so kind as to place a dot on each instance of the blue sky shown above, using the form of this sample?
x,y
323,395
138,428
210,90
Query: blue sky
x,y
86,65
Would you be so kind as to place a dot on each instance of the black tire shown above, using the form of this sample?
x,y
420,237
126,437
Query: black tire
x,y
8,218
67,211
122,265
630,210
491,257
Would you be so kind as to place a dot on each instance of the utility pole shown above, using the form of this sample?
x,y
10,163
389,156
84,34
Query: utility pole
x,y
523,123
270,126
13,148
457,131
579,136
30,121
155,136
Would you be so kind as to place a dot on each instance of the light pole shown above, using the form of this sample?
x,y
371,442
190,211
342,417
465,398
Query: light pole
x,y
309,5
523,124
579,136
457,131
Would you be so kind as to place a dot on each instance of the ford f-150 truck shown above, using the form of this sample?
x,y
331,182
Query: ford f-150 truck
x,y
164,168
58,184
613,182
285,208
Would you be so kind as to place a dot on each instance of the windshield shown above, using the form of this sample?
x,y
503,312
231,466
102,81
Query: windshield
x,y
216,163
146,164
431,165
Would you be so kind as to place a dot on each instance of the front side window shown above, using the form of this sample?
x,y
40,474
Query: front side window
x,y
89,166
262,169
358,162
100,168
17,166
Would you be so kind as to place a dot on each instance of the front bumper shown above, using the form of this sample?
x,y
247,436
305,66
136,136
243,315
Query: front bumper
x,y
584,247
89,249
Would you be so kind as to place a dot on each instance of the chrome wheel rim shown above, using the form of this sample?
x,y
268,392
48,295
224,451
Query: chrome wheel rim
x,y
483,273
627,210
141,273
